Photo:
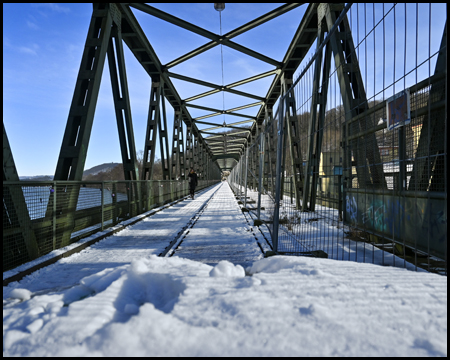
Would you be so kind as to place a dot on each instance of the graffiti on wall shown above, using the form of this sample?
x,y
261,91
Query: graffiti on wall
x,y
352,209
418,222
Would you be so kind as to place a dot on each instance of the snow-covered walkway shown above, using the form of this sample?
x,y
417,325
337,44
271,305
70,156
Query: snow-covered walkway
x,y
220,233
118,298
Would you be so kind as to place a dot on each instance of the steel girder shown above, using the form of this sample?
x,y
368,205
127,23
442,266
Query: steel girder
x,y
269,151
200,31
292,137
164,142
139,45
315,128
301,43
15,212
240,30
189,150
298,48
152,128
72,156
122,104
218,88
75,142
426,166
178,155
354,101
136,40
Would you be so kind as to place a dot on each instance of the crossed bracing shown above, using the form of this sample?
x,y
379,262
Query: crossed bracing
x,y
300,44
113,24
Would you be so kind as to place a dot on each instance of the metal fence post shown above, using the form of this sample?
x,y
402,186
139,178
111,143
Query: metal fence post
x,y
276,211
103,203
130,199
339,198
54,214
261,165
290,188
245,181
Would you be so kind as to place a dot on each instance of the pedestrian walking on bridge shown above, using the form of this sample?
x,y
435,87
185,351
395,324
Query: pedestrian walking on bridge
x,y
193,181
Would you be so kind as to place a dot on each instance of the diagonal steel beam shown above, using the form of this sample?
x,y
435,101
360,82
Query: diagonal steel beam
x,y
216,87
223,126
232,91
175,20
253,78
135,38
262,19
252,53
302,41
238,31
228,112
227,125
218,126
200,31
15,212
122,105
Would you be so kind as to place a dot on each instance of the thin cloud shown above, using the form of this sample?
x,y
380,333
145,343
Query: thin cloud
x,y
32,25
53,7
29,50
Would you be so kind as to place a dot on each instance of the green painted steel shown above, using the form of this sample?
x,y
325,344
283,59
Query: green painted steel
x,y
99,205
23,247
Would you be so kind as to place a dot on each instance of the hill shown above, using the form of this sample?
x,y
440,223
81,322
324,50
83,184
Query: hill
x,y
106,167
100,168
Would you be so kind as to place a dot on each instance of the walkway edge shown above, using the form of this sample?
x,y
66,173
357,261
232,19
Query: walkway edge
x,y
22,274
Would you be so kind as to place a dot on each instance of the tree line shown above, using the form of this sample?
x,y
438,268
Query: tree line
x,y
117,173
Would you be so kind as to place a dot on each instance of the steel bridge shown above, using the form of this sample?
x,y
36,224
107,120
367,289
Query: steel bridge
x,y
326,139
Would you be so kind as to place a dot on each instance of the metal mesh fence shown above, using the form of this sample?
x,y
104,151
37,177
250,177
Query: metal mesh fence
x,y
371,121
39,217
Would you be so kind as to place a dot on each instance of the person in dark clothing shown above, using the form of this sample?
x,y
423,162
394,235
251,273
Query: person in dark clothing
x,y
193,181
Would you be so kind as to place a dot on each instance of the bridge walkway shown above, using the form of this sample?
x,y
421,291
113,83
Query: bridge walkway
x,y
207,229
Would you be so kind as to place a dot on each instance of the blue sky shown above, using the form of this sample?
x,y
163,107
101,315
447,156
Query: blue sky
x,y
43,45
42,48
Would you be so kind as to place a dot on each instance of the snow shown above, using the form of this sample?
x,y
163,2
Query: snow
x,y
118,298
227,269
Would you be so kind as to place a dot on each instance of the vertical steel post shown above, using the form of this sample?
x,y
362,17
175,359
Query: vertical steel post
x,y
261,165
245,181
164,140
14,204
54,215
152,128
276,211
122,107
176,156
103,204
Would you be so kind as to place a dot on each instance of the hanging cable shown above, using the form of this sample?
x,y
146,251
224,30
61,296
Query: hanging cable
x,y
219,7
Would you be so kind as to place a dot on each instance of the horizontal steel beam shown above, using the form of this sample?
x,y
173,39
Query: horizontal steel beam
x,y
302,41
174,20
202,32
219,126
231,134
238,31
211,139
226,156
216,88
135,39
229,111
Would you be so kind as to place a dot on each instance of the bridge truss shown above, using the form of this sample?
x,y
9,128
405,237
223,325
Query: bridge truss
x,y
263,150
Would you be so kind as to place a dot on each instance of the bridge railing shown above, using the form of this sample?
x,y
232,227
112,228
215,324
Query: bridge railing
x,y
39,221
360,164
